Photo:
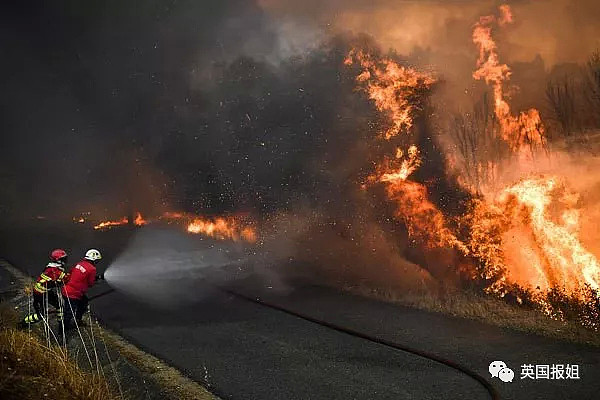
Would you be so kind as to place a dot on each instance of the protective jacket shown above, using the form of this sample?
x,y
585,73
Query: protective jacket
x,y
81,277
53,273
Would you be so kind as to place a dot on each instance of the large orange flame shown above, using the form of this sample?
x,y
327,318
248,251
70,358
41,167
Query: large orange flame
x,y
392,87
526,129
394,90
527,233
545,218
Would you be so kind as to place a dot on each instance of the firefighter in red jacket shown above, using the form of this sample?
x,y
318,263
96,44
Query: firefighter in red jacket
x,y
45,288
81,277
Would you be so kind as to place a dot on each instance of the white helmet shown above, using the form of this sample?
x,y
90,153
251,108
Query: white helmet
x,y
93,255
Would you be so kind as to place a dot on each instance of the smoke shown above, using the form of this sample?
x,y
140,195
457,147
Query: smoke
x,y
436,35
558,30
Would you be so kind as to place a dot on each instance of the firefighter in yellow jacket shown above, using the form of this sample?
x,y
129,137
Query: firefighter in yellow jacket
x,y
44,290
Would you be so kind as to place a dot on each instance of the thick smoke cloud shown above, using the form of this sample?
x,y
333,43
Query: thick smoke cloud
x,y
547,36
558,30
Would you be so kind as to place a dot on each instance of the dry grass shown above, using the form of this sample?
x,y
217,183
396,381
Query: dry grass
x,y
174,384
31,370
486,309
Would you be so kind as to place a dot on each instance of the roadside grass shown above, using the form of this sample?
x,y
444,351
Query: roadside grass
x,y
15,345
486,309
29,369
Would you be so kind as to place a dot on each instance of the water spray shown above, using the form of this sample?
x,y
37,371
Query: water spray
x,y
163,266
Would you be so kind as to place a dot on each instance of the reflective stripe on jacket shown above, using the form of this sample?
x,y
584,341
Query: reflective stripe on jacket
x,y
52,274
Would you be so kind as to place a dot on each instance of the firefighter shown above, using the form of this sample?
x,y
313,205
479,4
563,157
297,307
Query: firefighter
x,y
45,288
81,277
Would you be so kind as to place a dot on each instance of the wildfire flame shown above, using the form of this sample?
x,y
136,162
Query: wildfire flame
x,y
392,87
394,90
231,228
537,220
526,233
222,228
110,224
137,221
520,131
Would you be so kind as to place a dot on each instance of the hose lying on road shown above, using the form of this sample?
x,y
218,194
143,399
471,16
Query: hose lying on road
x,y
449,363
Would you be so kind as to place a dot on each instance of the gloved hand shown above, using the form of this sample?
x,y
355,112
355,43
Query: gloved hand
x,y
100,277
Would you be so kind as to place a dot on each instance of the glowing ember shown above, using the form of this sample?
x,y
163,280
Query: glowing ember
x,y
518,131
222,228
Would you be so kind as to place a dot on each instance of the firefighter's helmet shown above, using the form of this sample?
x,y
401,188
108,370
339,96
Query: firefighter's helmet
x,y
93,255
58,255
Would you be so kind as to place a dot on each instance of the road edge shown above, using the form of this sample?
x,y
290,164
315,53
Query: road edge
x,y
172,382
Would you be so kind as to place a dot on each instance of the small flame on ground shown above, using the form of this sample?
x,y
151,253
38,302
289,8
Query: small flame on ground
x,y
222,228
231,228
110,224
139,220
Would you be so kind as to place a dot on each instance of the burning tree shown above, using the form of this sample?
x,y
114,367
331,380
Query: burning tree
x,y
480,147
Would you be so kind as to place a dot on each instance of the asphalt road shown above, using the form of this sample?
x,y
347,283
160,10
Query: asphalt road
x,y
246,351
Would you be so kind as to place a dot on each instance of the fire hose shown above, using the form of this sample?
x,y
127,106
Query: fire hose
x,y
449,363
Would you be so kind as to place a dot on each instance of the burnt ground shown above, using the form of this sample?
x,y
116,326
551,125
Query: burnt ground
x,y
242,350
